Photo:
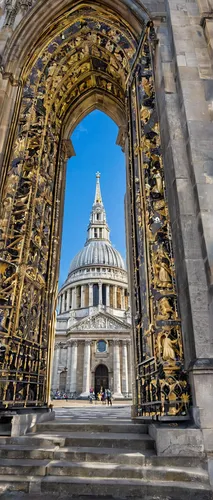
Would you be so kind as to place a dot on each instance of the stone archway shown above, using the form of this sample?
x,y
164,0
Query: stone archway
x,y
89,59
101,378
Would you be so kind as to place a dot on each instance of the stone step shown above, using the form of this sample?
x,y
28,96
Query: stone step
x,y
77,488
26,452
31,440
102,470
122,456
101,440
23,467
106,470
118,427
125,488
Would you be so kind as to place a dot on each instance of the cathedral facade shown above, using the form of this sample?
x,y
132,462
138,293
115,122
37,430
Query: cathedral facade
x,y
92,344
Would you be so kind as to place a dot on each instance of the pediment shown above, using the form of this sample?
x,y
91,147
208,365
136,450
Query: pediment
x,y
101,321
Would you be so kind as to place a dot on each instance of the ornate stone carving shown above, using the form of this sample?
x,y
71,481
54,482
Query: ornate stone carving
x,y
13,7
158,327
100,322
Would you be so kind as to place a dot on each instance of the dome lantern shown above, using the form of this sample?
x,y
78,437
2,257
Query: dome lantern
x,y
98,249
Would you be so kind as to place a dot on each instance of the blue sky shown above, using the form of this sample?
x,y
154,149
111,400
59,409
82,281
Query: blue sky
x,y
94,141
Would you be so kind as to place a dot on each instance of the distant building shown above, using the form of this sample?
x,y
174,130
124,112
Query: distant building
x,y
92,345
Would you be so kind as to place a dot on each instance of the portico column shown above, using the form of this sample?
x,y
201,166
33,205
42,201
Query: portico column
x,y
100,293
74,359
115,297
117,369
107,296
82,295
90,295
74,298
86,369
122,299
125,378
69,352
55,369
63,303
130,365
68,299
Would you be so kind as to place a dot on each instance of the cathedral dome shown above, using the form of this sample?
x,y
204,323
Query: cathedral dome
x,y
97,253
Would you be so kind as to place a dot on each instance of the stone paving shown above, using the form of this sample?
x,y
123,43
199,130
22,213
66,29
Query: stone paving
x,y
115,412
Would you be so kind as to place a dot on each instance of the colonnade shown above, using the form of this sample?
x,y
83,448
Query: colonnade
x,y
83,296
120,371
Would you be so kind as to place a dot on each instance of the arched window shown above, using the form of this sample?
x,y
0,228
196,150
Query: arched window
x,y
101,346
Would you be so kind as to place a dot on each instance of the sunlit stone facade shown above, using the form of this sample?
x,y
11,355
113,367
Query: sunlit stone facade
x,y
92,346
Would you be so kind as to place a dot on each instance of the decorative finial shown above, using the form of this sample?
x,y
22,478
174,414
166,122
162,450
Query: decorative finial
x,y
98,198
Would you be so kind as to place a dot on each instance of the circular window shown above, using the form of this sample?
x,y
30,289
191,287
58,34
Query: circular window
x,y
101,346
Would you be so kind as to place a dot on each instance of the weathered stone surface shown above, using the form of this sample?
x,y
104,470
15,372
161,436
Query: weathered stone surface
x,y
21,424
177,441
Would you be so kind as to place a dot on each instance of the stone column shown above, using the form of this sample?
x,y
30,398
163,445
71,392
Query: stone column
x,y
117,370
90,295
55,380
68,299
122,299
86,369
69,352
59,303
125,378
63,303
107,296
100,294
130,365
74,298
115,297
82,296
74,359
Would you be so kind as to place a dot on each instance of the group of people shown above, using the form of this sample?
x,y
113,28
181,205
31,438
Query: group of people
x,y
104,395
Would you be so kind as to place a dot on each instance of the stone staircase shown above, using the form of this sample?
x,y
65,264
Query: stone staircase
x,y
95,459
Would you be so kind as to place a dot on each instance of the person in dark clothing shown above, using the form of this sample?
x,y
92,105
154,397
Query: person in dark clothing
x,y
109,397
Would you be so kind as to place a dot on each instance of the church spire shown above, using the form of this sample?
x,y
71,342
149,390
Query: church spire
x,y
98,197
98,228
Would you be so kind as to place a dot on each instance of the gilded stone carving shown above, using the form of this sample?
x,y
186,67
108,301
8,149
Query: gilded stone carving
x,y
162,386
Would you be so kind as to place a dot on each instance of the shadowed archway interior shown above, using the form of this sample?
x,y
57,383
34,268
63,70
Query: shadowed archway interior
x,y
88,58
101,378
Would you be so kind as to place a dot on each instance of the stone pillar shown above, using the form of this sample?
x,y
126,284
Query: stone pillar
x,y
90,295
55,379
68,299
69,352
100,294
86,369
107,296
125,377
82,296
117,370
115,297
63,303
74,298
130,365
74,359
122,299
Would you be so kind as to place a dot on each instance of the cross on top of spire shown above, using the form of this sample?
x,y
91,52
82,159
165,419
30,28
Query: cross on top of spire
x,y
98,197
